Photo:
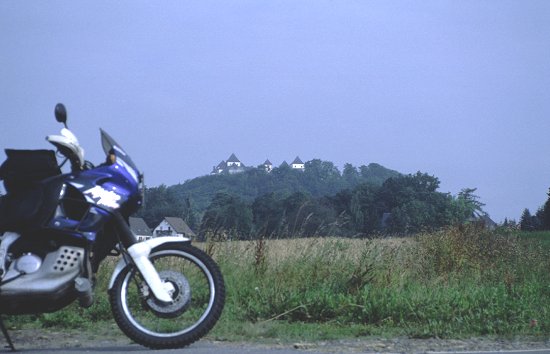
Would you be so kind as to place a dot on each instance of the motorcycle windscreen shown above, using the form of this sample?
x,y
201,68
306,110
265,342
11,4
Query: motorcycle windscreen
x,y
110,146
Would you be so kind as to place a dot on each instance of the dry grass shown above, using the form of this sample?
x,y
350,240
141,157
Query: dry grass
x,y
462,281
277,251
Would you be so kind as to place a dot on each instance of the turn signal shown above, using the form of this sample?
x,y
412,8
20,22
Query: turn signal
x,y
112,159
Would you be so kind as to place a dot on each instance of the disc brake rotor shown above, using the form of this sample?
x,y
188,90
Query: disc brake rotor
x,y
181,296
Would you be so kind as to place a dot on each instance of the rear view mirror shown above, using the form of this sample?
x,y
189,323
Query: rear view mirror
x,y
61,114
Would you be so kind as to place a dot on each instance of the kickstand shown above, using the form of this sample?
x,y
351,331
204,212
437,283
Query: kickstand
x,y
6,335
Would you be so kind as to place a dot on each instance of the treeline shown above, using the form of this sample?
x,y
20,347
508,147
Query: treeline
x,y
319,178
318,201
535,222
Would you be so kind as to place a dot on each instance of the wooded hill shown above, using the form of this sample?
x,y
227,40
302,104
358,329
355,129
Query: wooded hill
x,y
319,200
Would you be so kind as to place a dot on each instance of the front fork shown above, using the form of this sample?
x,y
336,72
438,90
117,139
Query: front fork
x,y
139,253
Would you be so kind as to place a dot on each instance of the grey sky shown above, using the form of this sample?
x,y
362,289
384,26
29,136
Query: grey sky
x,y
457,89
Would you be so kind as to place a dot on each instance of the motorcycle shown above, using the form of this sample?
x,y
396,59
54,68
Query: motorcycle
x,y
58,227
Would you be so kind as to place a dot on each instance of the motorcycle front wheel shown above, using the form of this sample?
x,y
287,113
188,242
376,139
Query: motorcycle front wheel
x,y
199,298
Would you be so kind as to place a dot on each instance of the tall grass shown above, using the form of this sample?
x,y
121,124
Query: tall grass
x,y
457,282
463,281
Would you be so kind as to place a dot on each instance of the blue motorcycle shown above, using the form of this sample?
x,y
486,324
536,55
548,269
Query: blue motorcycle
x,y
58,227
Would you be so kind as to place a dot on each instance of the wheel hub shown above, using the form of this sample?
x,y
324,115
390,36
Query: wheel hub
x,y
181,296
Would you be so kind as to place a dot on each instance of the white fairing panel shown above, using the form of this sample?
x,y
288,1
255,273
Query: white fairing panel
x,y
68,140
146,247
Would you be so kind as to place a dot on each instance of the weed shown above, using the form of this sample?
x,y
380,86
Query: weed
x,y
451,283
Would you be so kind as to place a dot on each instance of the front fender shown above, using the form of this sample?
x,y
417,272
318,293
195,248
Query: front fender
x,y
151,244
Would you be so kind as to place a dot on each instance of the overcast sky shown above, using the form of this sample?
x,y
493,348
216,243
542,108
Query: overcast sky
x,y
456,89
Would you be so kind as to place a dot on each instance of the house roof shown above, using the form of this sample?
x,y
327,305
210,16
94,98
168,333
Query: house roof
x,y
482,218
297,161
267,162
179,225
222,164
488,221
139,227
233,158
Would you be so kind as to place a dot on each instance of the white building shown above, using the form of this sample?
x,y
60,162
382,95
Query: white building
x,y
171,226
297,164
232,165
268,166
233,161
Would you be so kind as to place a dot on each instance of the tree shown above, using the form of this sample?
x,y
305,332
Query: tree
x,y
341,201
415,204
267,211
291,202
544,214
422,215
159,204
229,214
365,208
376,174
295,212
469,203
350,175
398,191
188,214
322,178
528,222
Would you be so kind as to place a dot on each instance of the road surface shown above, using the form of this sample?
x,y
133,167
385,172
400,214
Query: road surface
x,y
75,342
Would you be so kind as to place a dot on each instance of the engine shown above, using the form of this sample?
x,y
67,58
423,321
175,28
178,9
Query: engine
x,y
32,284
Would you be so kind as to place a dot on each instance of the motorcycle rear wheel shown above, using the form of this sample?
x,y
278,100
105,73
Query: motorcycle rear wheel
x,y
198,300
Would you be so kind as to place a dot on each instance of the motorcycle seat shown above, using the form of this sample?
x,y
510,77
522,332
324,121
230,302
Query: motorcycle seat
x,y
29,208
23,168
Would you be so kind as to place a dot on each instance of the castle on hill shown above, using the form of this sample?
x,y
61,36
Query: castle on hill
x,y
233,165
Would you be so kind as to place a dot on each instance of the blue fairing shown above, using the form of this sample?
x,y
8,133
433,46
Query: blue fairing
x,y
100,191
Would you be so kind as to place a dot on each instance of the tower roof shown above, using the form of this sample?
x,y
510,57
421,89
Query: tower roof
x,y
297,161
233,158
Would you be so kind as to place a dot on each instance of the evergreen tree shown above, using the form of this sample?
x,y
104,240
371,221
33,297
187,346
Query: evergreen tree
x,y
526,221
470,202
544,216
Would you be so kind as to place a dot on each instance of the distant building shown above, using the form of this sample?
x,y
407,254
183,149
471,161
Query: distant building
x,y
297,164
233,161
220,168
482,219
232,165
268,166
171,226
140,229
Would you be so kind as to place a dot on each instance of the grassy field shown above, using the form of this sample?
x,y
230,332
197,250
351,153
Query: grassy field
x,y
454,283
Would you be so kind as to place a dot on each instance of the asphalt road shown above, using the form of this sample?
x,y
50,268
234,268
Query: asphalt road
x,y
110,340
199,348
230,348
